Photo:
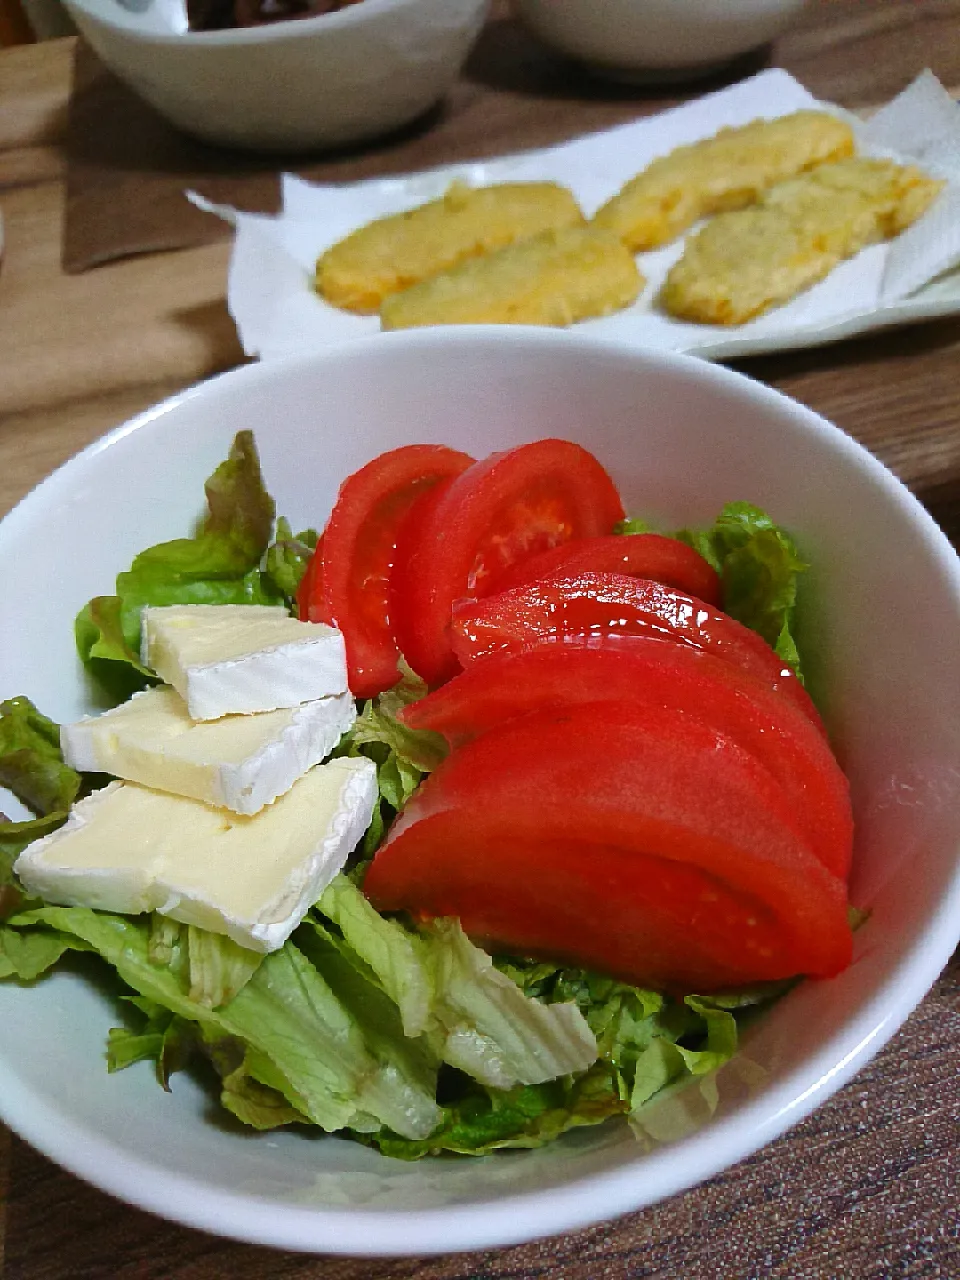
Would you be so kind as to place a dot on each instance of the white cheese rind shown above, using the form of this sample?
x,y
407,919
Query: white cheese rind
x,y
239,762
240,659
129,849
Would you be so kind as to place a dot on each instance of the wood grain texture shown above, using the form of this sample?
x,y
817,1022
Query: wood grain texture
x,y
34,443
68,337
896,392
34,84
6,1143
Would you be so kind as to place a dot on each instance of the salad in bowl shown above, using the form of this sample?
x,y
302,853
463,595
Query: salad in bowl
x,y
504,796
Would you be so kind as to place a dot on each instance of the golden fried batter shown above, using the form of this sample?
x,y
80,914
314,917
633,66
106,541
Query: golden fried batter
x,y
727,171
555,278
396,252
742,264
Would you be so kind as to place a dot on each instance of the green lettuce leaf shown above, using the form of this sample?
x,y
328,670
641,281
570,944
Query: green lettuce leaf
x,y
253,1103
14,838
403,756
491,1029
631,524
107,654
291,1013
164,941
124,1047
220,565
31,765
300,1038
409,1064
477,1018
759,565
166,1039
27,955
419,749
320,1031
392,952
480,1120
649,1042
219,967
287,558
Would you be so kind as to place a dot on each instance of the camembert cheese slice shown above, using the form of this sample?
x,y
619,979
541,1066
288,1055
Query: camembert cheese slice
x,y
239,762
129,849
238,659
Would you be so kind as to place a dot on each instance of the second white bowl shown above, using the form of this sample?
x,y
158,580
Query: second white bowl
x,y
657,39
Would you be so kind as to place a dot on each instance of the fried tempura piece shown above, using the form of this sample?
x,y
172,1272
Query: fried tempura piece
x,y
555,278
856,202
742,264
396,252
727,171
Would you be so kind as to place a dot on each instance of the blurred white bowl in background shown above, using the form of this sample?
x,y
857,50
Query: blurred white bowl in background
x,y
657,39
293,86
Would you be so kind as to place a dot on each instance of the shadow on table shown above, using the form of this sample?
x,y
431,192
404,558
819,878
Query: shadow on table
x,y
882,347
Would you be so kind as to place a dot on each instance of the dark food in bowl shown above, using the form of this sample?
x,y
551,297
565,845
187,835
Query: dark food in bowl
x,y
219,15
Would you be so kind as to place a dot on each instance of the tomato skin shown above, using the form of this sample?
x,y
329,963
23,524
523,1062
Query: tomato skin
x,y
656,787
601,911
347,583
405,584
586,608
631,670
505,508
637,555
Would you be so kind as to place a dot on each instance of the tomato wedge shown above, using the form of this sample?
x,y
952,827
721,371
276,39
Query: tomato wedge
x,y
567,900
506,508
348,579
564,834
632,670
586,608
638,555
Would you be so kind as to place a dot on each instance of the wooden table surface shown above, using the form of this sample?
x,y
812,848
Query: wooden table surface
x,y
866,1187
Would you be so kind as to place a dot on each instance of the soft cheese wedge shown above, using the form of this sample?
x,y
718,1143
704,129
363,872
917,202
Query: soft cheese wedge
x,y
237,659
239,762
129,849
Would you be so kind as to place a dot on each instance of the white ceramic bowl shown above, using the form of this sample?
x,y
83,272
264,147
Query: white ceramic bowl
x,y
292,86
657,39
681,437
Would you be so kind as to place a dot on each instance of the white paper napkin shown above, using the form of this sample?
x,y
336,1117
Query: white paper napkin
x,y
277,312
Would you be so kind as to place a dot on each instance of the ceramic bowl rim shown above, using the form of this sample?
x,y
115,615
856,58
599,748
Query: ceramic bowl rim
x,y
354,15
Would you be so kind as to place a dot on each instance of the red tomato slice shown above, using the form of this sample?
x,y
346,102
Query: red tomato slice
x,y
632,670
588,607
504,509
638,555
657,787
348,580
566,900
414,532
